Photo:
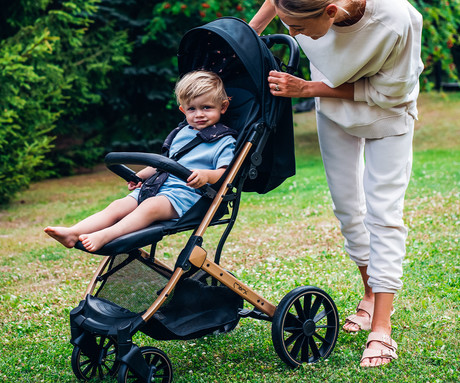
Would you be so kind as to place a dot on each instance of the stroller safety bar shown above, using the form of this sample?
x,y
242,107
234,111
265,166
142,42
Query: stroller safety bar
x,y
115,161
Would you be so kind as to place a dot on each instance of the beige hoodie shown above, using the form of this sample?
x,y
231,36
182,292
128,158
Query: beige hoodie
x,y
380,54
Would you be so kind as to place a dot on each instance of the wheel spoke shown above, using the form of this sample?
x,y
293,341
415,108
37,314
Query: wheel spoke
x,y
319,316
299,310
323,340
316,306
314,348
292,339
307,305
297,346
304,355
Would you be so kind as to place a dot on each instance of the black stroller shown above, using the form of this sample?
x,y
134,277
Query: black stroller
x,y
133,291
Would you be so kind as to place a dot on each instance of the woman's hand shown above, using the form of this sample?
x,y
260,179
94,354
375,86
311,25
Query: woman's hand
x,y
286,85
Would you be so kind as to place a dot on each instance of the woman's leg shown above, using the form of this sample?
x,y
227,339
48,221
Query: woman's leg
x,y
152,209
118,209
388,168
343,158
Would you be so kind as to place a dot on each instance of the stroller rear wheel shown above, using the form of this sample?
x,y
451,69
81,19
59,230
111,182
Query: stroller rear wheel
x,y
158,362
101,362
305,326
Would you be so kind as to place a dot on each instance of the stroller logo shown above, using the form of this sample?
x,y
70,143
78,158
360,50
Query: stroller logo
x,y
237,286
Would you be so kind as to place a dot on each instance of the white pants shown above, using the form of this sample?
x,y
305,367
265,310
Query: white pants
x,y
367,179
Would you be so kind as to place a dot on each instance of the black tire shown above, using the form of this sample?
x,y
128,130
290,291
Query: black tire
x,y
305,326
100,364
157,360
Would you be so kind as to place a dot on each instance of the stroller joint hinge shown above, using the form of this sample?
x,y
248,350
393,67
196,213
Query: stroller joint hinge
x,y
198,256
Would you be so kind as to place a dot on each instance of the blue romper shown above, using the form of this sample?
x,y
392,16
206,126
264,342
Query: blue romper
x,y
207,155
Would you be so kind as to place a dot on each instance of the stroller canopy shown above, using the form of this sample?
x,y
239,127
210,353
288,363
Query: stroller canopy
x,y
231,48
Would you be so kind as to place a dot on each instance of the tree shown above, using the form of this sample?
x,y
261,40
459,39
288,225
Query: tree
x,y
50,71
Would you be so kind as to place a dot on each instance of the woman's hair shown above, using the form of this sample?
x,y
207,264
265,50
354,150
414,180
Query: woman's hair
x,y
197,83
302,8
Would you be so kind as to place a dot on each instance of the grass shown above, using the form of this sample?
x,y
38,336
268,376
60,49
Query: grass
x,y
284,239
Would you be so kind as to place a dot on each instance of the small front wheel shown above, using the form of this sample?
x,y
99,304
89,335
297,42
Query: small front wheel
x,y
159,364
305,326
101,362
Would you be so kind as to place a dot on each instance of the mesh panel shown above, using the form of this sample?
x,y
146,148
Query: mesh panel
x,y
135,286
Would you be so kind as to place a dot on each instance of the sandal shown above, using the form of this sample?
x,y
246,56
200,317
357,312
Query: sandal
x,y
364,323
388,352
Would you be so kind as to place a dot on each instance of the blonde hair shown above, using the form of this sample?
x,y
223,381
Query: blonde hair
x,y
306,9
302,8
197,83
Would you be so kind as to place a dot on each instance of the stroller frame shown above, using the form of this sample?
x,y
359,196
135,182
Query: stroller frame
x,y
304,323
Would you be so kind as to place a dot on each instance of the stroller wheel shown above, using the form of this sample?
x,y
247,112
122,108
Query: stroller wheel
x,y
101,363
305,326
158,362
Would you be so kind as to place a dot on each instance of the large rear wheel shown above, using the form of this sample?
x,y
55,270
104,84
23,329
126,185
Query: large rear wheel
x,y
305,326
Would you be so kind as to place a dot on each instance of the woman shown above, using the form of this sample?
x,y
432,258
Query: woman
x,y
365,64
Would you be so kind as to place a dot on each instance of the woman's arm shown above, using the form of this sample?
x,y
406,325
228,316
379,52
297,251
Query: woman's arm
x,y
262,18
285,85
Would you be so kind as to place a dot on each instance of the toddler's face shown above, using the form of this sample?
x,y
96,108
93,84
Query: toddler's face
x,y
203,111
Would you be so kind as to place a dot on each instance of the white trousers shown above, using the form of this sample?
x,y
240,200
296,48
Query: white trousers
x,y
368,179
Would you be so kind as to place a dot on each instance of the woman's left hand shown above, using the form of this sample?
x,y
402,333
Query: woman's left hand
x,y
286,85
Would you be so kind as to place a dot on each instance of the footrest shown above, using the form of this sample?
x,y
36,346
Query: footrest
x,y
102,317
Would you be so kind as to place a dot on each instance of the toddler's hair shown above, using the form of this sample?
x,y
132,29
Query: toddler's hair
x,y
197,83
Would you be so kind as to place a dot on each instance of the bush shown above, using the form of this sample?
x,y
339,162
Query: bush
x,y
51,70
441,25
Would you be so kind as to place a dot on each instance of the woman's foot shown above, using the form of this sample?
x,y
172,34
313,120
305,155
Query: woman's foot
x,y
94,241
362,319
63,235
380,350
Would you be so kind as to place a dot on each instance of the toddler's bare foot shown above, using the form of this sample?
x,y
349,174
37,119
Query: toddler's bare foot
x,y
63,235
94,241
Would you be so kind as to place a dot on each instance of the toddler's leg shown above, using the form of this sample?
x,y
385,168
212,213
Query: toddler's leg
x,y
152,209
118,209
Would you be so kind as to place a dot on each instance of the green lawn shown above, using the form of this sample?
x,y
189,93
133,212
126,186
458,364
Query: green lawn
x,y
284,239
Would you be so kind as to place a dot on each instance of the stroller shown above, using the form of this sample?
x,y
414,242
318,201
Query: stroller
x,y
133,291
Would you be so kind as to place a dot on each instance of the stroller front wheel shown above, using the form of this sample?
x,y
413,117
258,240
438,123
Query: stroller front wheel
x,y
158,362
305,326
100,363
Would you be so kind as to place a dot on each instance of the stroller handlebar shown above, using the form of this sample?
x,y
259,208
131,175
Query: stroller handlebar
x,y
294,54
115,161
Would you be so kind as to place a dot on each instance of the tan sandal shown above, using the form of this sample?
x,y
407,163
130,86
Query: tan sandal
x,y
364,323
388,352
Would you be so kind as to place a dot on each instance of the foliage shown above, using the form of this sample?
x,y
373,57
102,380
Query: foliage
x,y
441,40
50,71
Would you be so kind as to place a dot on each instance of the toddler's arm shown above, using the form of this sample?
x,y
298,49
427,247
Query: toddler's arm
x,y
201,177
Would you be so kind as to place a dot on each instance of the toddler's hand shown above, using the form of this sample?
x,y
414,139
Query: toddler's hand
x,y
197,179
132,185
